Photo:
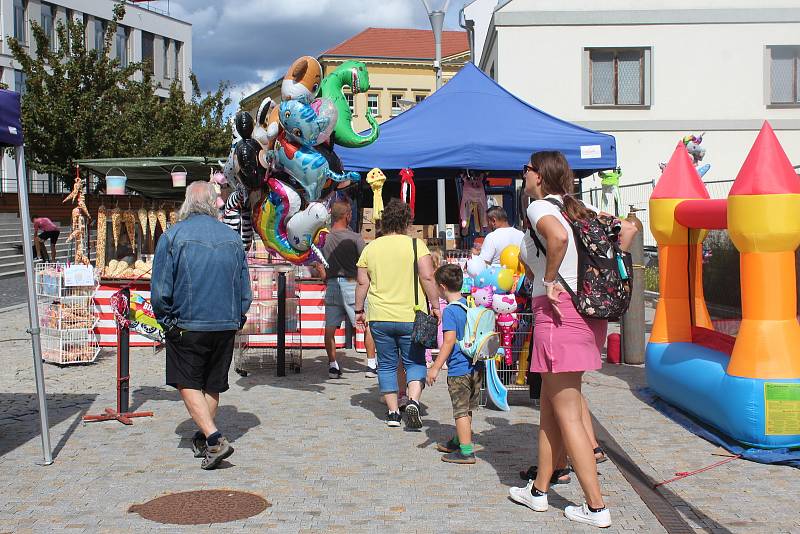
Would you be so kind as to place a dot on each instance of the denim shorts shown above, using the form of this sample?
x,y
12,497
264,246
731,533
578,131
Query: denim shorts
x,y
393,344
340,301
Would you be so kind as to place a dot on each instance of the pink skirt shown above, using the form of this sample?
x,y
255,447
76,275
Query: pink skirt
x,y
572,343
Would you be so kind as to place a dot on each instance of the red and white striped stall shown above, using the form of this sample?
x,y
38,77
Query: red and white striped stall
x,y
311,295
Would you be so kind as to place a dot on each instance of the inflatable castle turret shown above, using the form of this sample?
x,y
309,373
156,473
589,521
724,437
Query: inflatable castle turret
x,y
677,246
747,387
764,224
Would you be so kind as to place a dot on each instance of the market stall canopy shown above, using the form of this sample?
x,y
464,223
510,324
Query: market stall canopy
x,y
473,123
150,177
10,121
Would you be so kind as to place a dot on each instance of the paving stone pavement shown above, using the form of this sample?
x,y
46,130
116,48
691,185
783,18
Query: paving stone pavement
x,y
318,451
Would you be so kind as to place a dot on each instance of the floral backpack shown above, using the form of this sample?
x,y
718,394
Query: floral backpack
x,y
605,272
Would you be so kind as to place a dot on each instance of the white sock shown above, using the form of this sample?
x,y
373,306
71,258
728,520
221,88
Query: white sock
x,y
334,364
371,363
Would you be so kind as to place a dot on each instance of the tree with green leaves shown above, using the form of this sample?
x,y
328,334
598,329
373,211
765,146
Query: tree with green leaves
x,y
82,103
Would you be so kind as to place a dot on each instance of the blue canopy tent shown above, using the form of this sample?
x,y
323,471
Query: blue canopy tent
x,y
473,123
11,135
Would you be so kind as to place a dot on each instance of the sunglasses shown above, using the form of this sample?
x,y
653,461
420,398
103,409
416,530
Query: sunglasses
x,y
526,168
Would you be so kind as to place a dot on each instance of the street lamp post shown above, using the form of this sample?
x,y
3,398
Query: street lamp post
x,y
436,17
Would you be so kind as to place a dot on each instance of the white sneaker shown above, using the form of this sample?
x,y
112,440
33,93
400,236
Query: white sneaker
x,y
524,496
582,514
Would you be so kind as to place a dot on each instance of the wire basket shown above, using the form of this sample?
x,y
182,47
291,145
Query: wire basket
x,y
511,376
249,356
65,347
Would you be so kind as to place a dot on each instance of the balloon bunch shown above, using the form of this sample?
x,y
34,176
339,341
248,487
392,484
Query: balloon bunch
x,y
493,288
697,152
692,143
287,155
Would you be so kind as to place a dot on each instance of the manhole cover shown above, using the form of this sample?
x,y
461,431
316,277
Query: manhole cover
x,y
201,507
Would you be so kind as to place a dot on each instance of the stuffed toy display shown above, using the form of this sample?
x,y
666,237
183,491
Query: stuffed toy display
x,y
376,179
408,189
473,198
609,180
507,323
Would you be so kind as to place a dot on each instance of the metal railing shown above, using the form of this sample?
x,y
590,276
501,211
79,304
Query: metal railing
x,y
638,196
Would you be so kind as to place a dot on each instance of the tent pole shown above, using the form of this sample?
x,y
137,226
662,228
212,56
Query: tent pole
x,y
27,249
437,22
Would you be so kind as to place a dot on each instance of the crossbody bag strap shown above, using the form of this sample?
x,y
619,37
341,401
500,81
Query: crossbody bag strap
x,y
416,281
416,274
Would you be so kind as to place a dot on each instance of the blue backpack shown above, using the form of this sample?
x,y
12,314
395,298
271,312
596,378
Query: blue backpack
x,y
480,341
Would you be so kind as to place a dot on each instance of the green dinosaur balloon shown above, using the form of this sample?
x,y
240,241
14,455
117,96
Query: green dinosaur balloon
x,y
353,74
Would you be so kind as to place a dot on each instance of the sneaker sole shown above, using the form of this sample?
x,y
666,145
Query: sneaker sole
x,y
446,460
331,375
525,503
370,375
444,449
218,460
412,417
393,424
582,519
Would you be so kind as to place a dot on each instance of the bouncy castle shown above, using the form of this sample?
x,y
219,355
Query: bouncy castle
x,y
747,387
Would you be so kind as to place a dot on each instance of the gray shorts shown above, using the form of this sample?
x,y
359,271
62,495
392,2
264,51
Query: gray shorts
x,y
340,302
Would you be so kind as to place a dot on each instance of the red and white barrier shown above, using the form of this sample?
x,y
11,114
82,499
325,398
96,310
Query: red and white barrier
x,y
312,319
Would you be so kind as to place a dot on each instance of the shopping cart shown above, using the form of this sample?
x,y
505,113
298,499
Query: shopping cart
x,y
513,376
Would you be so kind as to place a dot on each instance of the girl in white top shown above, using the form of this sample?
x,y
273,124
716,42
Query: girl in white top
x,y
565,344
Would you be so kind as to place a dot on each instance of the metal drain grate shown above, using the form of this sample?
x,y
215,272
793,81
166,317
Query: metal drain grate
x,y
201,507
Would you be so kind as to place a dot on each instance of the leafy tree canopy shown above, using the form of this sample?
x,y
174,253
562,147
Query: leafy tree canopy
x,y
82,103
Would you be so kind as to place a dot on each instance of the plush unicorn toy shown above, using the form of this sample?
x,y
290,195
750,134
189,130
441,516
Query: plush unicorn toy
x,y
505,306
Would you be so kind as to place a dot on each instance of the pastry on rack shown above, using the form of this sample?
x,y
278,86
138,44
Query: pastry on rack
x,y
100,258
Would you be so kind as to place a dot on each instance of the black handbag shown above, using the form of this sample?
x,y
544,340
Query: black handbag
x,y
426,327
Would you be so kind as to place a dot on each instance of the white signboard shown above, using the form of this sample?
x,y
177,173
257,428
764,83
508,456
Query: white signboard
x,y
79,275
591,152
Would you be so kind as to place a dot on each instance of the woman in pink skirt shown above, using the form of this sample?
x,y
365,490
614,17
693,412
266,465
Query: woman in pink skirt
x,y
565,344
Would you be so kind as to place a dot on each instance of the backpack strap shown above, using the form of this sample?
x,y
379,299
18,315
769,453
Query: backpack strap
x,y
460,305
540,248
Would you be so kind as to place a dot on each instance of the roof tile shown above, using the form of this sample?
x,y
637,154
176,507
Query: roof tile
x,y
399,43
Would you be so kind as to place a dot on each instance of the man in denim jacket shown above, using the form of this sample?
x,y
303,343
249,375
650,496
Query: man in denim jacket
x,y
200,292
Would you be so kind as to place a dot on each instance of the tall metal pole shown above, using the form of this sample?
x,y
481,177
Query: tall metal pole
x,y
33,314
437,23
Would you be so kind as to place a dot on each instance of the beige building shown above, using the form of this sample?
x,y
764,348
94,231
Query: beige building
x,y
400,65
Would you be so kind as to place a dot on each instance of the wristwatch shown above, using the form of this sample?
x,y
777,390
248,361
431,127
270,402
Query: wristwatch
x,y
358,311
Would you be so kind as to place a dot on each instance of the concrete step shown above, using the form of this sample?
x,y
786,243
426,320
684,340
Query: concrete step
x,y
11,274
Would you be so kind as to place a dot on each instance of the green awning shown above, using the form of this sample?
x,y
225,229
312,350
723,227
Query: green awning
x,y
150,177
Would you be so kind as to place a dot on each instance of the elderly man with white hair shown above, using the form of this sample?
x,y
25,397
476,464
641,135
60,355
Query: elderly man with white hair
x,y
200,293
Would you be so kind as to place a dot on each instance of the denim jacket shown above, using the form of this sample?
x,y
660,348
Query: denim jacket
x,y
200,279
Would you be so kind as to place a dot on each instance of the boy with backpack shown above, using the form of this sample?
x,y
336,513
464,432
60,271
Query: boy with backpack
x,y
464,376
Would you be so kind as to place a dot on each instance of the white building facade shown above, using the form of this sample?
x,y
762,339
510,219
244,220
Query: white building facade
x,y
142,34
650,75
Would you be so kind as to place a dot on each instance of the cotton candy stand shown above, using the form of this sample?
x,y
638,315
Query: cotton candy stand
x,y
11,135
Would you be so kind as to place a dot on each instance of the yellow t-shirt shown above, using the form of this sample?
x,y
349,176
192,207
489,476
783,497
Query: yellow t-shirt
x,y
388,260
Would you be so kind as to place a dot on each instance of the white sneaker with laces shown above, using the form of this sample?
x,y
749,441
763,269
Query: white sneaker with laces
x,y
524,496
582,514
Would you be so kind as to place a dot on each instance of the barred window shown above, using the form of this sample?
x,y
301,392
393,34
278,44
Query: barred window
x,y
784,74
618,77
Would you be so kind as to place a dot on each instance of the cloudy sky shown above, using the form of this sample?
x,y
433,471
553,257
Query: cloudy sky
x,y
252,42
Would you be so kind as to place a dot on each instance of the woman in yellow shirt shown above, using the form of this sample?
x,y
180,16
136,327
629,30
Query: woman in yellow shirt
x,y
386,273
